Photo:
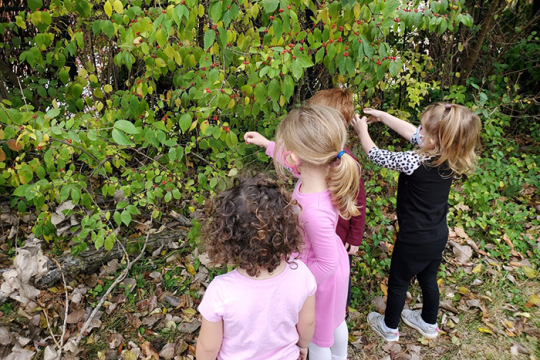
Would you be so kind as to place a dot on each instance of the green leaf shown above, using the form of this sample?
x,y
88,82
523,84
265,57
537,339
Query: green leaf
x,y
231,140
287,86
120,138
109,242
215,11
390,6
260,93
394,68
304,61
125,216
297,70
320,55
209,37
185,122
161,37
274,90
35,4
270,5
278,28
168,196
126,126
117,218
213,183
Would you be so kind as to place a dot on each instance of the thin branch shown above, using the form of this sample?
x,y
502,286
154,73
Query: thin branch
x,y
111,288
64,326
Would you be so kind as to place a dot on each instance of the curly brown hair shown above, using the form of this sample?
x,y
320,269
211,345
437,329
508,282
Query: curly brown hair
x,y
253,225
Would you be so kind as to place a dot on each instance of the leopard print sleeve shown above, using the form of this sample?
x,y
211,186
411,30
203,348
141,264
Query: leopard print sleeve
x,y
406,162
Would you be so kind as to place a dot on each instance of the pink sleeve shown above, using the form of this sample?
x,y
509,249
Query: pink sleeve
x,y
270,149
211,307
321,230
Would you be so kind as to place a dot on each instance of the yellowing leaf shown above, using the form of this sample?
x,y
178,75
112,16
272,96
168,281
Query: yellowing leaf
x,y
534,299
108,9
529,272
384,289
2,155
93,78
477,268
1,134
484,330
118,7
463,290
107,88
440,282
191,269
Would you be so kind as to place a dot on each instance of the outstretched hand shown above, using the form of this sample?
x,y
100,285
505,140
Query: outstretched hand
x,y
360,124
374,115
253,137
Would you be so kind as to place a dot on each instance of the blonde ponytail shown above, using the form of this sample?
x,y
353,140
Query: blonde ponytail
x,y
316,135
343,182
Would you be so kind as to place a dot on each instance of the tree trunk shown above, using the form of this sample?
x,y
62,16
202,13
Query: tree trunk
x,y
481,36
90,261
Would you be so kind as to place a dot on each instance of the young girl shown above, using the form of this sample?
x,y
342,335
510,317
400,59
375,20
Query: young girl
x,y
310,142
446,138
351,231
265,309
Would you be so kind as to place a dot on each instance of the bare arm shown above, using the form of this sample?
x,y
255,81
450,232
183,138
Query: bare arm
x,y
306,324
210,338
361,127
402,127
253,137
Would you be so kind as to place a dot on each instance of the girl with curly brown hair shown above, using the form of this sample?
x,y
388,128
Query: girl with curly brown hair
x,y
310,144
265,309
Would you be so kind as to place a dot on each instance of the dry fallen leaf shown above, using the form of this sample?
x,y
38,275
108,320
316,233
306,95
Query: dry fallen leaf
x,y
379,304
76,316
462,252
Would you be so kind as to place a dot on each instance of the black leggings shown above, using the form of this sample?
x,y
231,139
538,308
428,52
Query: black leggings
x,y
409,260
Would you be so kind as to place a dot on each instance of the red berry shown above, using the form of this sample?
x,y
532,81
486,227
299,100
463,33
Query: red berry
x,y
163,182
22,127
164,11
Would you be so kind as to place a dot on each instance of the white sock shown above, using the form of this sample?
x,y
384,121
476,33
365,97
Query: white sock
x,y
428,325
387,329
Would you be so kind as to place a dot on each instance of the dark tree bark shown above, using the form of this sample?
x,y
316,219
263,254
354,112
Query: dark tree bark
x,y
90,261
486,26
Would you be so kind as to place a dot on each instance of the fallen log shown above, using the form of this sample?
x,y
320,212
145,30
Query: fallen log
x,y
90,261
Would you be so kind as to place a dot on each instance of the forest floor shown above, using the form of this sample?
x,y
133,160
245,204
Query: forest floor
x,y
490,310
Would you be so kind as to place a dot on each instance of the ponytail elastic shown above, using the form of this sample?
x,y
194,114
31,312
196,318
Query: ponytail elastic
x,y
340,154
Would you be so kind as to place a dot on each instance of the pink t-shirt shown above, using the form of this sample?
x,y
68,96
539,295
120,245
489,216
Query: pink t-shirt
x,y
326,257
259,316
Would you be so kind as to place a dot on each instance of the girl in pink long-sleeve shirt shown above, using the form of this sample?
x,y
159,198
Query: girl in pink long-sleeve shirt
x,y
309,144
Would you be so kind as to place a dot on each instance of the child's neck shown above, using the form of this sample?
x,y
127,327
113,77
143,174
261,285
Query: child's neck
x,y
264,272
314,179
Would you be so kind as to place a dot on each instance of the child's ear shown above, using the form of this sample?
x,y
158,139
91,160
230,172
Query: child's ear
x,y
294,159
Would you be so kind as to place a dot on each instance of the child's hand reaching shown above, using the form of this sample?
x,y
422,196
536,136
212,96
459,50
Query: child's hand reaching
x,y
374,115
253,137
360,124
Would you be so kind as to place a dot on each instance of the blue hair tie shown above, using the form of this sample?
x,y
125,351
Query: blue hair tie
x,y
340,154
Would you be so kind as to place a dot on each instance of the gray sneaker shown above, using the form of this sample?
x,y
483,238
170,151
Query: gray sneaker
x,y
376,321
414,320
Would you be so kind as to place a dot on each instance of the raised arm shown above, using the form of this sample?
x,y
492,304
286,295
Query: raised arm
x,y
405,162
253,137
402,127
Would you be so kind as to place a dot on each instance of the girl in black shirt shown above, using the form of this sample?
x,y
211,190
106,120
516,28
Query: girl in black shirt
x,y
446,141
